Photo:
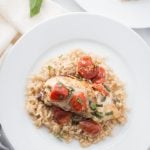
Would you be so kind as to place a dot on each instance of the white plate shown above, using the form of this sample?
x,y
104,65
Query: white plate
x,y
125,51
134,14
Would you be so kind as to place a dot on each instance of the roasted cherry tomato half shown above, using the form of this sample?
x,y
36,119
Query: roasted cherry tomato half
x,y
86,68
59,92
61,116
90,127
100,77
78,102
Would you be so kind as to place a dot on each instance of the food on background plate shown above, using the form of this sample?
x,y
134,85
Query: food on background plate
x,y
77,96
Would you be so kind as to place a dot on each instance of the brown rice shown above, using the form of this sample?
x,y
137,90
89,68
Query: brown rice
x,y
42,114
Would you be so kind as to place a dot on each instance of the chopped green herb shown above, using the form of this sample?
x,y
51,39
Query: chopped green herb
x,y
116,100
70,94
49,68
93,106
59,84
106,87
103,99
35,6
70,91
109,113
70,88
76,119
90,102
60,56
79,77
79,100
99,105
98,114
58,137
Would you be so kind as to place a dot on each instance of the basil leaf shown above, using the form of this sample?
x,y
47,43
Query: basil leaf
x,y
93,106
35,6
98,114
109,113
99,105
70,89
70,94
49,68
107,88
79,100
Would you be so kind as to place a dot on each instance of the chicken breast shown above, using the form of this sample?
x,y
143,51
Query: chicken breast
x,y
70,94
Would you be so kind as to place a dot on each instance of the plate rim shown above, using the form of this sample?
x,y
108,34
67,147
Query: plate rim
x,y
65,15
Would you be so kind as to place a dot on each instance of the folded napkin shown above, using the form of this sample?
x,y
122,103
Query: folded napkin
x,y
17,12
7,34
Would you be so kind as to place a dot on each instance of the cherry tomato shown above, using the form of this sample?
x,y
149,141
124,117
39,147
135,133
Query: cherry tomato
x,y
60,92
78,102
90,127
86,68
100,77
61,116
101,89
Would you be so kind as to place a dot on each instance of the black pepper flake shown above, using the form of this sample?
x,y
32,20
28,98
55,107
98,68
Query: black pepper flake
x,y
39,96
106,87
76,119
99,105
103,99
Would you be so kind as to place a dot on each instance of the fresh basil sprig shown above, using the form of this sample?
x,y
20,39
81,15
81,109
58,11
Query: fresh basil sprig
x,y
35,6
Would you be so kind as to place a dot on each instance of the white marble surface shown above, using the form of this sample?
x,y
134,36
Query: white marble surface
x,y
73,6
